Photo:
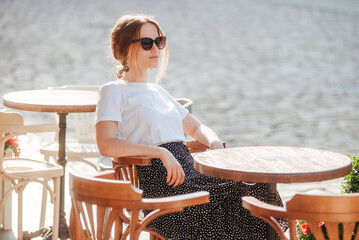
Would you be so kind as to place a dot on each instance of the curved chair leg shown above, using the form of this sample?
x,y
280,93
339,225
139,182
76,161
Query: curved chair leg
x,y
74,228
19,214
6,210
134,234
154,237
118,228
44,199
43,206
56,191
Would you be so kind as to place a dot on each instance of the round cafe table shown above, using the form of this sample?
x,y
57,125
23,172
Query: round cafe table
x,y
61,102
272,165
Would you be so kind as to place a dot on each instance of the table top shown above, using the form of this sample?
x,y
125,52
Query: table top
x,y
47,100
273,164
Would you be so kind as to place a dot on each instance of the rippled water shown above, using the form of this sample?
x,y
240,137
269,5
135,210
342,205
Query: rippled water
x,y
259,72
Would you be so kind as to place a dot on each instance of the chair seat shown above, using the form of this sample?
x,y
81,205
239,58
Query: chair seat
x,y
73,150
21,167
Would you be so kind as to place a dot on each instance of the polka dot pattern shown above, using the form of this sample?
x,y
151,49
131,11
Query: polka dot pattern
x,y
222,218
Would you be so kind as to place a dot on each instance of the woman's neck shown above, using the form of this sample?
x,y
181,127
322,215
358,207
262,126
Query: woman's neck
x,y
136,76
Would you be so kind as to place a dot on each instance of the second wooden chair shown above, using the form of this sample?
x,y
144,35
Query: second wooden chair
x,y
314,209
99,202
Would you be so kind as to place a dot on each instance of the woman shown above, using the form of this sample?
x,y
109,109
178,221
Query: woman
x,y
137,118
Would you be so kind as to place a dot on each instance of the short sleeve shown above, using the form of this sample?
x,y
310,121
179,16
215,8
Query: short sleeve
x,y
109,104
181,110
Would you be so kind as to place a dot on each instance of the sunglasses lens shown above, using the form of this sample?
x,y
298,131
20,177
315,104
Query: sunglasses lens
x,y
147,43
160,42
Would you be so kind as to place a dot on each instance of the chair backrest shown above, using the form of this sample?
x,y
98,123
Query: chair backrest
x,y
12,124
9,121
98,203
186,103
331,210
8,117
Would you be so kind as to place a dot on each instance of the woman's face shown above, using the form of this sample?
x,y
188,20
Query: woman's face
x,y
148,59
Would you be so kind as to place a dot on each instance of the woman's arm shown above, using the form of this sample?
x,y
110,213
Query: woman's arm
x,y
201,132
109,145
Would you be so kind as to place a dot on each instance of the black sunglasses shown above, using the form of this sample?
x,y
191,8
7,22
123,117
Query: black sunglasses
x,y
147,43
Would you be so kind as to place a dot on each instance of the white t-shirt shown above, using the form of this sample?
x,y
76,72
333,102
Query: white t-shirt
x,y
145,112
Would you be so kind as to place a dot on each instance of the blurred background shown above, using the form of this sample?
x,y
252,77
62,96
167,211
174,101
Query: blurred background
x,y
260,72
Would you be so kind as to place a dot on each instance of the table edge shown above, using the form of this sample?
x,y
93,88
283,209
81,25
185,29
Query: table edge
x,y
50,108
47,108
263,177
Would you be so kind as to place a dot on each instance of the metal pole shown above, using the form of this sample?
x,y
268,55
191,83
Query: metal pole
x,y
63,228
272,199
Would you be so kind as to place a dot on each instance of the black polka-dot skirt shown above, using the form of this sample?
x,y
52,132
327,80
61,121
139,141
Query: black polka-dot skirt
x,y
222,218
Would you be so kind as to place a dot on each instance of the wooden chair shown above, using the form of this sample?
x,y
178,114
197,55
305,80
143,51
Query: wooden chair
x,y
98,204
125,169
313,209
21,171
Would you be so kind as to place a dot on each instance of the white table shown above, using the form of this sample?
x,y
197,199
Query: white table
x,y
61,102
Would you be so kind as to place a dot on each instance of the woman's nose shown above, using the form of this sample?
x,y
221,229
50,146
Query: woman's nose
x,y
154,47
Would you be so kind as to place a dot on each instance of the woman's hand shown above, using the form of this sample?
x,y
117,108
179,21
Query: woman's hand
x,y
217,144
175,173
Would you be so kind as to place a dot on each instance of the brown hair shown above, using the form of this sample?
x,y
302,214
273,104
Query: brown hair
x,y
126,29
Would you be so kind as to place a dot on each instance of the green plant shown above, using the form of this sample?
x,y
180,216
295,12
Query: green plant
x,y
303,231
351,181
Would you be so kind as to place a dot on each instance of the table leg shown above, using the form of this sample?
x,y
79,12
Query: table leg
x,y
272,199
63,228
